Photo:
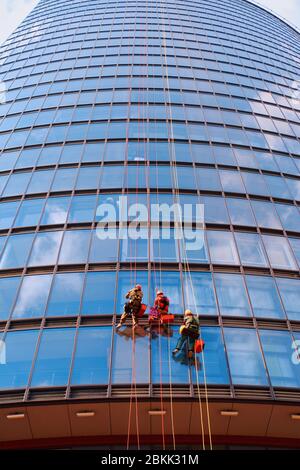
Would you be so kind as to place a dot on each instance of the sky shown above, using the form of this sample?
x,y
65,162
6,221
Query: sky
x,y
12,12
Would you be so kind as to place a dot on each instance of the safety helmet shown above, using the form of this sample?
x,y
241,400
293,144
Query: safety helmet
x,y
138,287
160,292
188,313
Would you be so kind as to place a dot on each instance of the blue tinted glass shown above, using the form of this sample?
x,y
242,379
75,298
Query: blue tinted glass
x,y
112,177
131,249
93,152
75,247
215,211
290,294
295,244
222,248
231,181
290,216
199,293
20,347
92,356
208,179
45,249
130,362
32,297
16,251
277,347
163,365
106,249
29,213
7,213
99,293
216,370
245,358
56,210
88,178
54,357
264,297
8,289
17,184
232,296
65,294
40,182
64,179
82,209
240,212
279,252
251,249
266,215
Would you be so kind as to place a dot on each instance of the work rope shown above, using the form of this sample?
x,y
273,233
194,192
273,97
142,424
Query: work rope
x,y
185,259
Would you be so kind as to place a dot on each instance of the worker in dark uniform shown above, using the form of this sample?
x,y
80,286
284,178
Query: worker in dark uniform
x,y
133,306
189,333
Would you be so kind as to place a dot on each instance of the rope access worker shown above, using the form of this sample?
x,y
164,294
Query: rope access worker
x,y
133,306
189,333
161,304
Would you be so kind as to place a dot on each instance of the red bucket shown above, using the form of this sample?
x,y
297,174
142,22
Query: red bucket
x,y
199,346
142,310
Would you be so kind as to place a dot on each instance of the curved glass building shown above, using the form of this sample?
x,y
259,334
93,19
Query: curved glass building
x,y
194,103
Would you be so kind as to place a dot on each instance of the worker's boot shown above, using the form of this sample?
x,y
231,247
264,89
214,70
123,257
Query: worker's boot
x,y
175,351
190,354
119,325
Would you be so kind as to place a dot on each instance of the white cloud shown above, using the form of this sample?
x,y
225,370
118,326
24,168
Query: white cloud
x,y
288,9
12,12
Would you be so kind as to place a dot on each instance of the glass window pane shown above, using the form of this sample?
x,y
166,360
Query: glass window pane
x,y
20,347
266,215
82,209
65,294
290,294
88,178
32,297
17,184
45,249
75,247
279,252
290,216
251,249
56,210
54,357
104,250
295,244
222,248
29,213
231,181
92,356
240,212
8,290
277,347
199,293
163,364
16,251
232,296
215,211
264,297
216,370
64,179
7,214
122,368
245,359
40,182
99,293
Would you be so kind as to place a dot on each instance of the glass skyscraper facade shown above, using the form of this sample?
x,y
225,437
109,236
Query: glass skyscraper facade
x,y
162,102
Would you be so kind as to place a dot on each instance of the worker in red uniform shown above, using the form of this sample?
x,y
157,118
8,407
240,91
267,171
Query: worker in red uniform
x,y
161,303
133,306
